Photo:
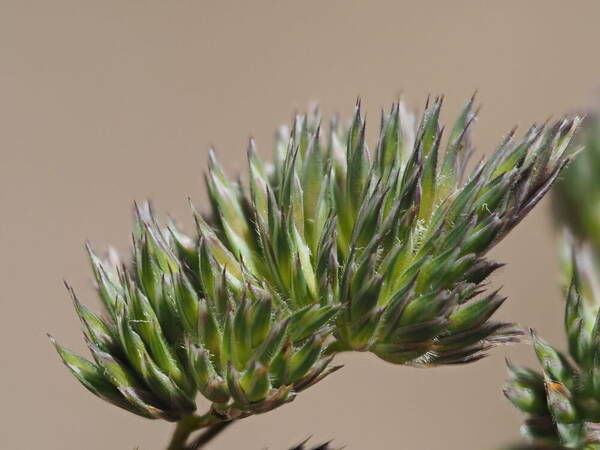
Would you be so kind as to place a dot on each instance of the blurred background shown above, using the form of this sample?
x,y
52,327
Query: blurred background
x,y
104,103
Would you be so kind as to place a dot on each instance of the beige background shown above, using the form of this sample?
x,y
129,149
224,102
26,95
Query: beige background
x,y
105,102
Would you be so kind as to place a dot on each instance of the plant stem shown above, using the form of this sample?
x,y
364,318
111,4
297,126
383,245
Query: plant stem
x,y
188,425
209,434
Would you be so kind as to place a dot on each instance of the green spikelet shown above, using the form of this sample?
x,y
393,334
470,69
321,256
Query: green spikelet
x,y
577,198
332,247
402,235
174,329
562,402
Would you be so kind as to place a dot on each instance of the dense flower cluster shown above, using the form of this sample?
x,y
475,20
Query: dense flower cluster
x,y
330,248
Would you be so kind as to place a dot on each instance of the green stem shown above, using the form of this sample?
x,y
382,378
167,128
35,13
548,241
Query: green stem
x,y
187,426
209,435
